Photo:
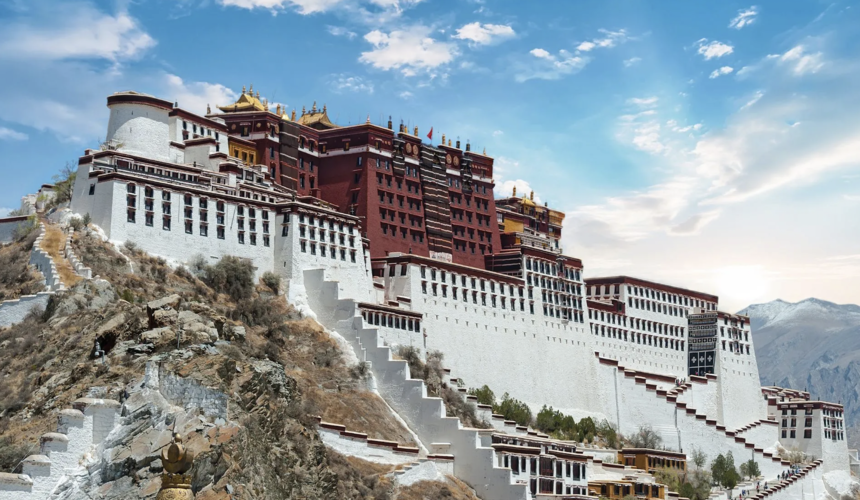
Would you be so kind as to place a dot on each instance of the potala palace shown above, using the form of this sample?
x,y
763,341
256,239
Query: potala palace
x,y
389,240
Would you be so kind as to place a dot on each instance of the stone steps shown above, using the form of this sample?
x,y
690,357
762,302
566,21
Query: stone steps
x,y
80,430
474,464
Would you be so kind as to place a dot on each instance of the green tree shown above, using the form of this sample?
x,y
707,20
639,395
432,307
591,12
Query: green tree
x,y
485,395
646,437
718,468
729,476
233,276
699,458
64,183
513,409
750,469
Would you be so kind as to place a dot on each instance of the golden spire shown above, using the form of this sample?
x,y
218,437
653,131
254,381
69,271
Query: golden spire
x,y
532,196
324,108
416,130
258,95
449,143
243,89
485,151
208,109
368,120
278,110
293,115
314,108
515,192
176,477
443,139
251,90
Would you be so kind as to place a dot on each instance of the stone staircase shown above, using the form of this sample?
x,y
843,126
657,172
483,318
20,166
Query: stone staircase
x,y
80,431
696,427
442,435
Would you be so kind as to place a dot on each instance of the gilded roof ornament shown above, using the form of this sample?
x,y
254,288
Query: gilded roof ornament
x,y
176,477
293,115
246,102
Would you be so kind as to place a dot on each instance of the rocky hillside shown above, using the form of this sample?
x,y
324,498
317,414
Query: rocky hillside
x,y
812,345
207,353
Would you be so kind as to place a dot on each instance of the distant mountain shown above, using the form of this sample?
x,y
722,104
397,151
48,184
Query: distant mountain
x,y
814,345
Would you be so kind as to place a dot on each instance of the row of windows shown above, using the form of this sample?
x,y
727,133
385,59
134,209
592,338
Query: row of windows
x,y
548,467
639,324
464,295
473,283
332,251
321,234
203,130
413,204
461,246
639,338
392,321
411,187
388,229
457,199
793,421
553,284
648,305
671,298
414,221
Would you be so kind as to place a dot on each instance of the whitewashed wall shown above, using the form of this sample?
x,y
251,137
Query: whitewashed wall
x,y
140,129
14,311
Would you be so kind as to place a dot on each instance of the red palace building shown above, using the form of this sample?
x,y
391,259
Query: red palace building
x,y
432,201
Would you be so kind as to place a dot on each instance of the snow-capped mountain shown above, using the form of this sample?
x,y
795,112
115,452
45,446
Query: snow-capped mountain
x,y
814,345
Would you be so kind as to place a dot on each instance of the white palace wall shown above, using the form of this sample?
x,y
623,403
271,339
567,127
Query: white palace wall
x,y
537,359
140,129
740,390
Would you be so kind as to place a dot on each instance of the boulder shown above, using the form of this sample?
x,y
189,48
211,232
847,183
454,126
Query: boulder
x,y
162,317
170,301
158,336
189,317
235,333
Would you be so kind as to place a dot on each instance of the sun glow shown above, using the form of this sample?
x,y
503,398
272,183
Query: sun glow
x,y
741,284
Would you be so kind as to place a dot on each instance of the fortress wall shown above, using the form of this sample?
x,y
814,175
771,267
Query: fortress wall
x,y
353,278
740,390
14,311
642,357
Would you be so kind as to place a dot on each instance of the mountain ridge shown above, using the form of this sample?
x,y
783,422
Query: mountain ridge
x,y
812,344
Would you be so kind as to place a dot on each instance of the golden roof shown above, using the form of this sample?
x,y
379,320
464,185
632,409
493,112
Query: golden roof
x,y
317,119
246,102
527,202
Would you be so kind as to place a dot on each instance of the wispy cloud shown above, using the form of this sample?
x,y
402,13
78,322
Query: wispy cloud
x,y
341,31
7,134
725,70
609,39
484,34
552,66
346,83
73,30
801,61
410,50
643,101
745,17
713,49
754,99
632,61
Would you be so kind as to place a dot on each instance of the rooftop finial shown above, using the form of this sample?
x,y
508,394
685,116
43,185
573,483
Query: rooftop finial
x,y
485,151
389,123
258,95
468,146
314,108
251,90
368,120
324,108
208,109
293,116
416,130
443,139
243,90
303,111
449,143
515,192
532,196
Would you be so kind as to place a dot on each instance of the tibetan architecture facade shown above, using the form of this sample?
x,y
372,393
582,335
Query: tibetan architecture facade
x,y
410,236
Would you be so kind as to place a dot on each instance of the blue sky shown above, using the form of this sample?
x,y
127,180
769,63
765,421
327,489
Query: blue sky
x,y
714,145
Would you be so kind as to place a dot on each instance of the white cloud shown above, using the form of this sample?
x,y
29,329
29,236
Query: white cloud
x,y
194,96
710,50
802,63
7,134
300,6
484,34
73,30
647,138
343,82
852,197
725,70
405,95
551,67
672,124
506,188
341,31
497,133
745,17
410,50
643,101
755,98
632,61
610,39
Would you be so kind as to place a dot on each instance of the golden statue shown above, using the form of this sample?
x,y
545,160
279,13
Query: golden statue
x,y
176,478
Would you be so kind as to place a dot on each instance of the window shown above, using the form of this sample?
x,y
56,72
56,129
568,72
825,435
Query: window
x,y
807,433
130,215
92,189
165,223
188,227
241,238
149,219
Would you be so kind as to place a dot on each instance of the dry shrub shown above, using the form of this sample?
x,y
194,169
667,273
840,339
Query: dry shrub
x,y
17,278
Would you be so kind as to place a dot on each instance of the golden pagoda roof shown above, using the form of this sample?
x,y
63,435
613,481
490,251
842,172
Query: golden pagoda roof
x,y
315,118
246,102
527,202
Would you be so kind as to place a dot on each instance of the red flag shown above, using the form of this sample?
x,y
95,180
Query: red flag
x,y
430,135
